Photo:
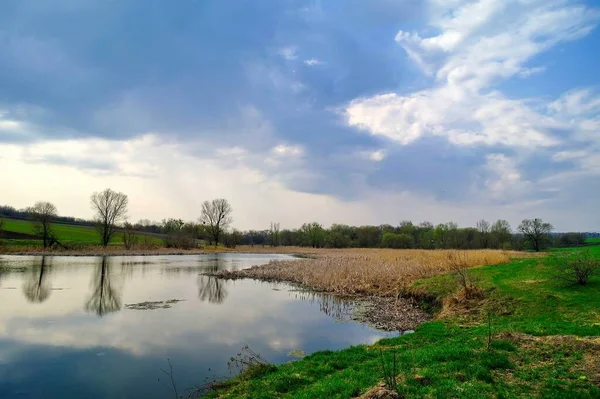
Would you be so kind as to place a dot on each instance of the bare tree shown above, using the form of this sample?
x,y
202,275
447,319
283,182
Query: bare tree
x,y
111,208
483,227
130,237
536,231
43,213
216,216
274,234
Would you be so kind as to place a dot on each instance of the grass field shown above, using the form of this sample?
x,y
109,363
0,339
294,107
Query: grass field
x,y
65,233
544,343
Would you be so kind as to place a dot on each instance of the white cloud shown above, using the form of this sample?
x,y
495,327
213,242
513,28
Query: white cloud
x,y
377,156
479,44
313,62
283,150
178,182
288,53
506,180
576,102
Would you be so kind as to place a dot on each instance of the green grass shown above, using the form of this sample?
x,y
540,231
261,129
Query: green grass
x,y
66,234
595,240
539,346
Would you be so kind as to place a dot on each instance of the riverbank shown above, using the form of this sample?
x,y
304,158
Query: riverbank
x,y
525,334
119,250
378,280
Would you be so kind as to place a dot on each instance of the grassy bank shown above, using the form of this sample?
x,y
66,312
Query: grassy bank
x,y
67,234
528,335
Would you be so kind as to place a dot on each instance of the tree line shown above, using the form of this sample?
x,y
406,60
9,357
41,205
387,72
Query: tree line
x,y
213,227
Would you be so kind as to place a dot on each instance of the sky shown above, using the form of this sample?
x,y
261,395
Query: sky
x,y
338,111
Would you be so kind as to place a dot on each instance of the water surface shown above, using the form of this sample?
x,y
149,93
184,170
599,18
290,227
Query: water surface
x,y
65,329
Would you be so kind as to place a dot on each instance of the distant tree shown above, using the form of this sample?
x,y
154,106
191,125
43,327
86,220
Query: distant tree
x,y
232,239
130,237
170,226
314,234
483,227
536,232
426,225
501,232
274,234
111,208
216,216
44,213
571,239
397,241
335,239
368,236
1,229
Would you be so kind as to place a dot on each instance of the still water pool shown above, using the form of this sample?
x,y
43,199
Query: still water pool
x,y
68,328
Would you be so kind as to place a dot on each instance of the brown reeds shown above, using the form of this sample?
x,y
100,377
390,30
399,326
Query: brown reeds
x,y
380,272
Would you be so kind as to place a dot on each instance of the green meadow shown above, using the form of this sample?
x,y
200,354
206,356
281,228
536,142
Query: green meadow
x,y
528,335
66,234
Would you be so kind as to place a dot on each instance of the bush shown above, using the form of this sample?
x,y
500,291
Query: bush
x,y
180,241
576,268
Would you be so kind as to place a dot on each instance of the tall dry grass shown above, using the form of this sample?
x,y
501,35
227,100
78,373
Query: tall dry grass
x,y
372,271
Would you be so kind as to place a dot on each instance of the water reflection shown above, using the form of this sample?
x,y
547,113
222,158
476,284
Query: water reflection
x,y
61,348
106,295
37,288
331,305
210,288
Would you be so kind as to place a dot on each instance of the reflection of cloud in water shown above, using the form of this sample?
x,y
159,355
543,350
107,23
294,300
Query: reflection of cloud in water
x,y
37,288
106,296
249,312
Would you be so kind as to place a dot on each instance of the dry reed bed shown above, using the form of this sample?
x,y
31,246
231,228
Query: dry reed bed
x,y
381,272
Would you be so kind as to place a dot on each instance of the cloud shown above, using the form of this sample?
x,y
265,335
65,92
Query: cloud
x,y
412,100
288,53
283,150
313,62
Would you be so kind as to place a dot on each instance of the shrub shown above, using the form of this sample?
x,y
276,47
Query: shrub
x,y
576,268
180,240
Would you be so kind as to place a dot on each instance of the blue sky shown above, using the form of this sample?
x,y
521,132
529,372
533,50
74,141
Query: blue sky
x,y
336,111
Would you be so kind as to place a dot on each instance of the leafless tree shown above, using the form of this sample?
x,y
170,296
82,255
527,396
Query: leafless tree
x,y
43,213
130,237
536,231
274,234
111,208
216,216
483,227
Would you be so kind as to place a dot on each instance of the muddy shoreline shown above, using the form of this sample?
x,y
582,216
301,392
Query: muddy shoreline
x,y
386,313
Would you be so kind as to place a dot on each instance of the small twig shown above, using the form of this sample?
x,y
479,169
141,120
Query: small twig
x,y
170,374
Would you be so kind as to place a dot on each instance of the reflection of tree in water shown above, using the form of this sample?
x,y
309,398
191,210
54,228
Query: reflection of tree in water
x,y
331,305
106,296
37,288
210,288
